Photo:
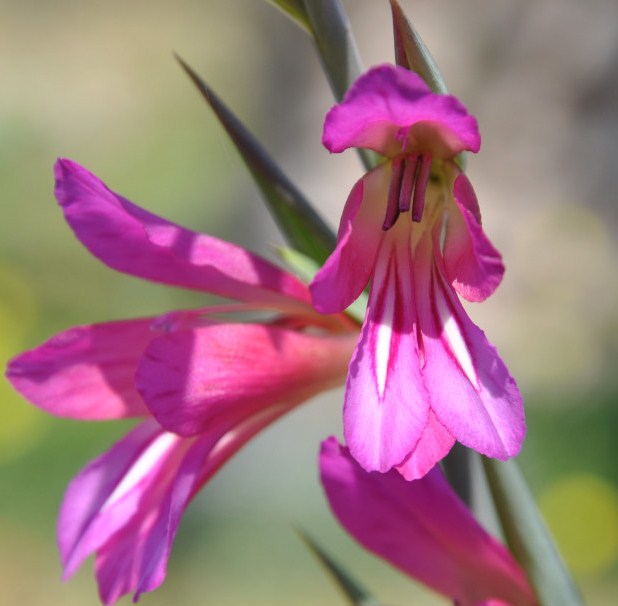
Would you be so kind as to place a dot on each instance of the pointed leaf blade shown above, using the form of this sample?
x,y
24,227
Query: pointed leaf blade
x,y
338,51
298,220
295,9
356,594
527,535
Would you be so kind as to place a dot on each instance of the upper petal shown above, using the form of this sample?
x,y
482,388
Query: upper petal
x,y
386,406
192,379
348,269
86,372
390,105
423,529
472,264
134,241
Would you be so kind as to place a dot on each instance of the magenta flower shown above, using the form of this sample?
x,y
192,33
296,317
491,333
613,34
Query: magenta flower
x,y
216,381
424,529
423,375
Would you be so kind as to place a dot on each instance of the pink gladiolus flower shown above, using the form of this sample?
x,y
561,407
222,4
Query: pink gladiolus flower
x,y
424,529
203,384
423,375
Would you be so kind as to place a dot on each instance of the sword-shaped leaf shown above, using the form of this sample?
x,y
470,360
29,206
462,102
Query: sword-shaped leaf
x,y
295,9
527,535
327,23
356,594
298,220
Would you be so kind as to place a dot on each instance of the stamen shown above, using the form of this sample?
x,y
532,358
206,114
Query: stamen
x,y
420,187
407,182
392,204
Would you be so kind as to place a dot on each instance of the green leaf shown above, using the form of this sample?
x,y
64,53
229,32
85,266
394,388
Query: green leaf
x,y
306,268
329,27
352,589
298,220
338,51
528,537
411,52
295,9
332,33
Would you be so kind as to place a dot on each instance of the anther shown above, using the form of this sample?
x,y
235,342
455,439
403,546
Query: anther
x,y
392,203
420,187
407,182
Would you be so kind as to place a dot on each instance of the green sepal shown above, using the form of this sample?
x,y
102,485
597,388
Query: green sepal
x,y
356,594
295,9
527,535
411,52
306,268
299,222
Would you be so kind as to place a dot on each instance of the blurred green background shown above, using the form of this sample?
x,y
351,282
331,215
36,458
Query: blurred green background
x,y
95,81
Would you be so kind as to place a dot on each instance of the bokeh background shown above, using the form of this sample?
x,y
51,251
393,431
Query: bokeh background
x,y
95,81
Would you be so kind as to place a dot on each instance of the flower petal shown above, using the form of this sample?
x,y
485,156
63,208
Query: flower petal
x,y
134,241
86,372
472,393
472,264
126,505
423,529
388,104
386,406
82,526
192,379
434,445
347,271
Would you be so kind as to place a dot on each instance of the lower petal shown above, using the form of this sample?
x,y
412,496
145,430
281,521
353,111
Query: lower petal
x,y
434,445
386,405
472,393
126,505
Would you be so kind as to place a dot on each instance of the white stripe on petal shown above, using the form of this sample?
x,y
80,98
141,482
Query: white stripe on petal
x,y
383,344
456,342
145,463
386,296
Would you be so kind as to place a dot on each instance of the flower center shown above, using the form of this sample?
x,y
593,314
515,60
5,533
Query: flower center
x,y
407,188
